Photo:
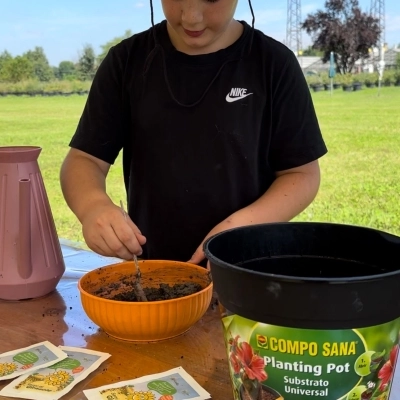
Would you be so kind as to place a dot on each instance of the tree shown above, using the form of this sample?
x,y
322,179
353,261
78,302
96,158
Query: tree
x,y
105,48
87,63
66,70
344,29
41,68
17,69
4,57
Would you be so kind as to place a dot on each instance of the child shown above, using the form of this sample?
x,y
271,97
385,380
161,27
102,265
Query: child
x,y
217,129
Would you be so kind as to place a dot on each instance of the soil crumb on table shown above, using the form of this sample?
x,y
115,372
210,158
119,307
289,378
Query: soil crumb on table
x,y
164,292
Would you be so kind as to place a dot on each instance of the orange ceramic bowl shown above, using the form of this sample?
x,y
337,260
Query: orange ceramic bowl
x,y
146,321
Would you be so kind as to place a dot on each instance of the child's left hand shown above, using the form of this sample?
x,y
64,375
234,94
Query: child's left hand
x,y
199,255
291,192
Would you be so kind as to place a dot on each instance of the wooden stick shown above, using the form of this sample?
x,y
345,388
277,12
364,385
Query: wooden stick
x,y
139,292
137,287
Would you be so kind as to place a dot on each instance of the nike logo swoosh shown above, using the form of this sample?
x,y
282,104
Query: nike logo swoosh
x,y
230,99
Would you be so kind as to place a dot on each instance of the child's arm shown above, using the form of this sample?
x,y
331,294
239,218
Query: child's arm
x,y
83,182
291,193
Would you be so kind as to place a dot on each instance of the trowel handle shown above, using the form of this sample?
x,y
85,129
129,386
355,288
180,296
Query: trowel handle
x,y
24,235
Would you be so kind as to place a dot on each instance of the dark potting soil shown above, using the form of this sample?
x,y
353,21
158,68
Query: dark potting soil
x,y
164,292
264,396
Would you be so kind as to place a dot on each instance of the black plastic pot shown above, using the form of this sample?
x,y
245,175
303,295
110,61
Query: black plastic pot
x,y
318,87
314,305
310,275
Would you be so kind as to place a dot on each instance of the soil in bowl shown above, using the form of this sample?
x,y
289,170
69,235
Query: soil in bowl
x,y
124,290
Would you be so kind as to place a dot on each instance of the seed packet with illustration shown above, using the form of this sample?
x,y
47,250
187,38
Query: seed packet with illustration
x,y
18,362
58,379
175,384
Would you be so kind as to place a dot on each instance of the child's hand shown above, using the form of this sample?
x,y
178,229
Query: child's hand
x,y
107,232
199,255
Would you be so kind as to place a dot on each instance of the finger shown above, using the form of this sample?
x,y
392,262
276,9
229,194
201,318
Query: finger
x,y
198,255
130,237
126,242
101,247
96,243
116,239
123,240
208,266
139,236
133,226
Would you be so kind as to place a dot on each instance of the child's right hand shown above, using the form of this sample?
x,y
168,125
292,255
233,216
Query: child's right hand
x,y
107,232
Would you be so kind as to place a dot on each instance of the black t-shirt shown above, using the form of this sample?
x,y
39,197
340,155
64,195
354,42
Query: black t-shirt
x,y
188,168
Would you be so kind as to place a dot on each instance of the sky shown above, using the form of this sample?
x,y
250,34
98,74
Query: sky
x,y
63,27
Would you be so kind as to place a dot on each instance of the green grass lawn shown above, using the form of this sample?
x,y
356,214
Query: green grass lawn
x,y
360,174
49,122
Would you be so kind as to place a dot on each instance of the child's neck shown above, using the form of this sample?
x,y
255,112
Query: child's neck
x,y
228,37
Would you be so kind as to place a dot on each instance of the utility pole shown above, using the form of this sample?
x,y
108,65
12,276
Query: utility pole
x,y
293,29
378,12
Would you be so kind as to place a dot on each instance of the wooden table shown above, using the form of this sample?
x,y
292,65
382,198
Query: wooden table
x,y
60,319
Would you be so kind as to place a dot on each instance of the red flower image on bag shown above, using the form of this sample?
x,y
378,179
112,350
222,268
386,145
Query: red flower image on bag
x,y
387,370
248,366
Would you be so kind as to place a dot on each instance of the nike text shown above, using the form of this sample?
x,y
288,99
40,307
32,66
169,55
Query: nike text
x,y
237,94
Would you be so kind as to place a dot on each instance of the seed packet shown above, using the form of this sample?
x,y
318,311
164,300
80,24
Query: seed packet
x,y
18,362
175,384
58,379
